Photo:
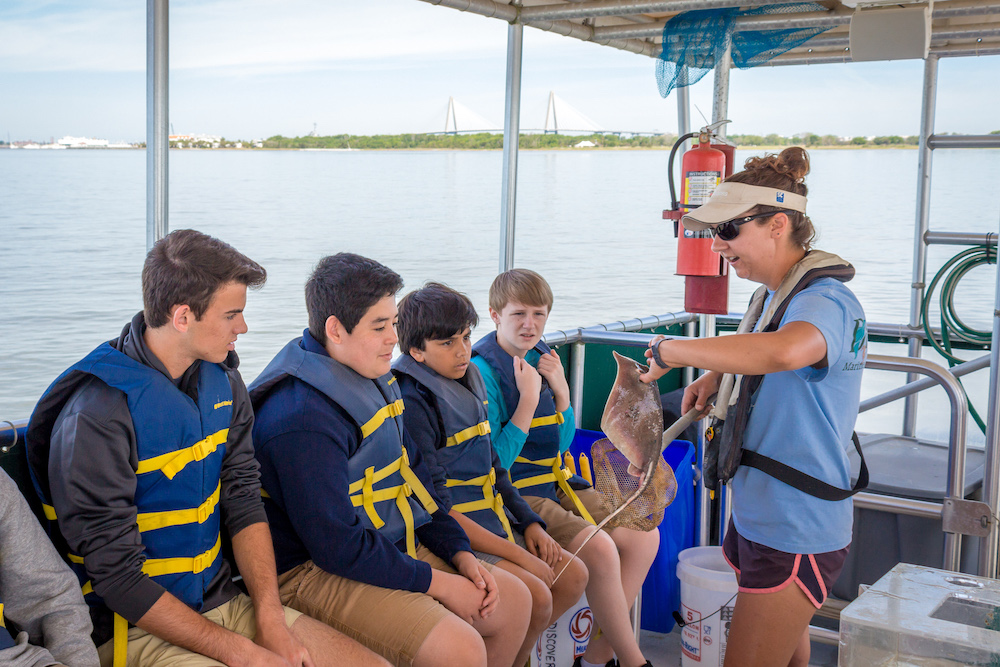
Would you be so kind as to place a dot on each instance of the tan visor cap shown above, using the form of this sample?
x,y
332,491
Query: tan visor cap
x,y
732,200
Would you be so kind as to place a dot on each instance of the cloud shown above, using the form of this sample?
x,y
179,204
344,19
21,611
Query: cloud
x,y
239,37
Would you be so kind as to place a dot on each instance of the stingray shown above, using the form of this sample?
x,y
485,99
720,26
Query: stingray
x,y
633,422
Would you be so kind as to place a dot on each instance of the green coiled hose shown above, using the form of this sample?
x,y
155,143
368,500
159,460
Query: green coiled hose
x,y
952,326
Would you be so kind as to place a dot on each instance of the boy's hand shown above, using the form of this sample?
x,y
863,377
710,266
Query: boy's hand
x,y
527,379
550,366
537,567
542,545
469,567
462,597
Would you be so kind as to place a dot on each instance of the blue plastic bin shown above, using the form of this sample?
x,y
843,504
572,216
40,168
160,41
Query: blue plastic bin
x,y
661,593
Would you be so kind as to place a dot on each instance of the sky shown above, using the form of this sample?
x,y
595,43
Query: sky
x,y
247,69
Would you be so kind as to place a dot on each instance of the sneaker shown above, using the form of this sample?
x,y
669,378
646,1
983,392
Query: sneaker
x,y
610,663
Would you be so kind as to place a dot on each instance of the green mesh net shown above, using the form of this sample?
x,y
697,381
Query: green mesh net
x,y
694,41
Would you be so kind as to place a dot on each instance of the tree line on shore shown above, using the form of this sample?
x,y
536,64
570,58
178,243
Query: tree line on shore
x,y
549,141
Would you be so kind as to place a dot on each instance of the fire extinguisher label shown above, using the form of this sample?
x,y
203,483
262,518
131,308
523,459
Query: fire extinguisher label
x,y
699,186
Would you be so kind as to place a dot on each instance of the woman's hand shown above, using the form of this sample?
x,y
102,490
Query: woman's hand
x,y
697,394
655,371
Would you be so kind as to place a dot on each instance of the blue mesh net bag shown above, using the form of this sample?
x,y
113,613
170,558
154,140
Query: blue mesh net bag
x,y
694,41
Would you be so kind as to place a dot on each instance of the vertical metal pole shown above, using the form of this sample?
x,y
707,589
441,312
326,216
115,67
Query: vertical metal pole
x,y
577,356
720,97
720,108
921,225
683,127
991,477
157,121
511,135
707,327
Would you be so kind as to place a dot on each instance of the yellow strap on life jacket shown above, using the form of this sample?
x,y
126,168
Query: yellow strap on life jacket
x,y
120,642
491,500
157,567
172,463
557,475
50,512
411,486
154,520
482,428
392,410
557,418
3,624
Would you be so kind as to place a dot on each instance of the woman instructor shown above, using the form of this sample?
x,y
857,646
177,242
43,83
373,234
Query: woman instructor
x,y
800,351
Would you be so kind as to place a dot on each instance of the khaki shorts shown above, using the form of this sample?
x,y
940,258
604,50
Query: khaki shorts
x,y
391,622
562,521
147,650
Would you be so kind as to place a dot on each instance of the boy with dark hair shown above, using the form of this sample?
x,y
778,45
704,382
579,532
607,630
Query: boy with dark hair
x,y
532,424
361,543
141,453
446,416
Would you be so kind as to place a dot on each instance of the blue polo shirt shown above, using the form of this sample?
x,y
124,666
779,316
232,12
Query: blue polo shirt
x,y
804,418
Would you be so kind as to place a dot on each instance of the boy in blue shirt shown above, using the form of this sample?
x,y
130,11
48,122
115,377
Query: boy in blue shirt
x,y
446,416
532,424
360,541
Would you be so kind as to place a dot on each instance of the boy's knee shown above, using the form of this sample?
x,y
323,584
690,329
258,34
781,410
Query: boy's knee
x,y
601,552
541,604
452,641
574,578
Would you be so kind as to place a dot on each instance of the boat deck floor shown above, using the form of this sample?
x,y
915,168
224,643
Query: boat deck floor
x,y
664,650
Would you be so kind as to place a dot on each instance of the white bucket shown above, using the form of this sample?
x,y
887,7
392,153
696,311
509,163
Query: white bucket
x,y
708,585
561,643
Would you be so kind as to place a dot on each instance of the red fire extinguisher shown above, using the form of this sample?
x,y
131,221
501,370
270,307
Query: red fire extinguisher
x,y
706,284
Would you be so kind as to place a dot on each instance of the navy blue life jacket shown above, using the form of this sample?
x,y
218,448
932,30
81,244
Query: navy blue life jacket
x,y
382,485
180,445
6,640
467,455
539,467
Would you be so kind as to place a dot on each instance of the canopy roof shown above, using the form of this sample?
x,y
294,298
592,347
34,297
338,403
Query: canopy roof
x,y
960,27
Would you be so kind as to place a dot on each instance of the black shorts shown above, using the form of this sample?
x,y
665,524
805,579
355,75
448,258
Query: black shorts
x,y
762,569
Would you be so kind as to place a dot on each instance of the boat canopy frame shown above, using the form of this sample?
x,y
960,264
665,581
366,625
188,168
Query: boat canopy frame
x,y
959,28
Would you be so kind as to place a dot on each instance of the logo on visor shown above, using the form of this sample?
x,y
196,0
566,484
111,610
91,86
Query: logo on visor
x,y
780,197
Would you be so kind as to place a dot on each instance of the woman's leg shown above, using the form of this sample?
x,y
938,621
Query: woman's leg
x,y
768,628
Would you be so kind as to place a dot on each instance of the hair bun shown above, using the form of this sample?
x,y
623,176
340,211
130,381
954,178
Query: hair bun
x,y
792,162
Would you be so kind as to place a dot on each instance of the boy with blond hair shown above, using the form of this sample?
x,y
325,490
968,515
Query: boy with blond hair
x,y
532,425
446,416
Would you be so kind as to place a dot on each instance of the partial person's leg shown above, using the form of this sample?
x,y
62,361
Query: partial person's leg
x,y
329,648
504,631
451,642
541,607
607,601
637,550
572,583
802,652
767,627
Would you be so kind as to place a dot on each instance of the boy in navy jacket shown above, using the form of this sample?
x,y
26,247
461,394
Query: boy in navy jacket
x,y
446,416
360,540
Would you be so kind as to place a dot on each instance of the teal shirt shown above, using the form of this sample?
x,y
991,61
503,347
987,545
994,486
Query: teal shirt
x,y
507,438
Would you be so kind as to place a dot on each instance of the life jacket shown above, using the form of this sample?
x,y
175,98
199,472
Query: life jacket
x,y
541,449
180,445
6,640
382,483
724,451
467,456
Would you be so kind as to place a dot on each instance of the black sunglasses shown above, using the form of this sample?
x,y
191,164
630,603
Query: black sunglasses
x,y
729,230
